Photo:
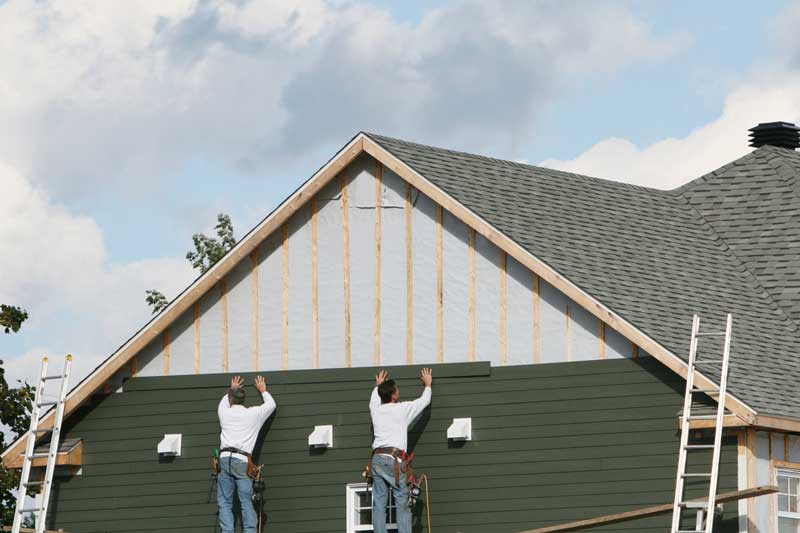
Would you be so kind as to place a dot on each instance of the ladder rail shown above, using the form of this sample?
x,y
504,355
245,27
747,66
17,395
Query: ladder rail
x,y
723,382
54,443
22,491
687,404
27,461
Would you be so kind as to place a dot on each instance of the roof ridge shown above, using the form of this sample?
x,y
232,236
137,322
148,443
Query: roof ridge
x,y
517,164
787,170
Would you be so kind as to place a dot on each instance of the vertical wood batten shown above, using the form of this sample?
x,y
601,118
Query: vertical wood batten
x,y
378,235
285,299
634,350
440,283
472,295
772,481
223,290
348,346
314,282
134,366
409,278
568,319
752,503
537,340
503,308
254,274
787,447
196,307
167,343
602,339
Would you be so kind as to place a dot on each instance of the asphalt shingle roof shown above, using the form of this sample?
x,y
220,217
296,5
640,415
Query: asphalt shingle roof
x,y
726,242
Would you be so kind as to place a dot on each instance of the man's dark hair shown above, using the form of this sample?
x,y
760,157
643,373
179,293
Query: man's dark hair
x,y
236,396
385,390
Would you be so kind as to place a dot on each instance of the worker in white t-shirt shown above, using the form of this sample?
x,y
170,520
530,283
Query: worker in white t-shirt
x,y
390,421
240,426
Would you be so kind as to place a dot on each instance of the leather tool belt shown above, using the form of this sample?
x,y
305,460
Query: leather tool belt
x,y
402,462
251,467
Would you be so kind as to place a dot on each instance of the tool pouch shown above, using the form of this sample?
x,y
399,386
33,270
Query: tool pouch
x,y
252,468
215,465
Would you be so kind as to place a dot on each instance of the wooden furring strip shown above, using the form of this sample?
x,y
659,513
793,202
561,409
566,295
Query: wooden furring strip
x,y
134,366
602,339
348,346
285,299
569,336
752,507
787,448
772,481
167,343
440,281
409,277
378,235
223,289
537,328
254,261
503,308
197,337
634,350
472,296
314,282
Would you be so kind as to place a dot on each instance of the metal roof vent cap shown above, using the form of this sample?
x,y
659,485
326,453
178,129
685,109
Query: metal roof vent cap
x,y
782,134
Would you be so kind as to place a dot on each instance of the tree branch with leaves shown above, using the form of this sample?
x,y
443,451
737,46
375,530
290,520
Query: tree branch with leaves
x,y
207,251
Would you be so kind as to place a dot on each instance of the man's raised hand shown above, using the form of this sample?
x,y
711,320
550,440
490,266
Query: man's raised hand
x,y
237,382
261,384
426,377
381,377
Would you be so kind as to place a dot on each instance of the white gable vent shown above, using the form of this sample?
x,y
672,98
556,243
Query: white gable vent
x,y
321,437
170,445
460,429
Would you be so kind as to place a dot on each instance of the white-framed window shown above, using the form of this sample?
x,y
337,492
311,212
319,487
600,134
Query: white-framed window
x,y
788,501
359,509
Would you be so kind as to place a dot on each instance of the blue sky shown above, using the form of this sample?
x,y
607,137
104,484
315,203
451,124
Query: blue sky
x,y
129,129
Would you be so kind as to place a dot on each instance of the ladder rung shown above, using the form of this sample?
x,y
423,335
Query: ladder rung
x,y
697,474
53,376
47,404
691,531
699,446
38,455
706,391
694,505
713,362
30,510
33,483
43,430
702,417
711,334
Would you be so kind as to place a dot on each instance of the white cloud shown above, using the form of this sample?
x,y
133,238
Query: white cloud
x,y
117,94
55,265
767,97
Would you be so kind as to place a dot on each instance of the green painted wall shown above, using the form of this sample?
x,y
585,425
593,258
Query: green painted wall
x,y
553,443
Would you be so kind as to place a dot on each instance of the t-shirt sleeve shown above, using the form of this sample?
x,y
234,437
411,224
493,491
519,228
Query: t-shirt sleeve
x,y
413,409
374,399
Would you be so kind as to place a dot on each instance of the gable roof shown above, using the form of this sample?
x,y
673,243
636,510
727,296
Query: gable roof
x,y
657,257
641,260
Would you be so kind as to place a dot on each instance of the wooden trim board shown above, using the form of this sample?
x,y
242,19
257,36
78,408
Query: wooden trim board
x,y
646,512
71,457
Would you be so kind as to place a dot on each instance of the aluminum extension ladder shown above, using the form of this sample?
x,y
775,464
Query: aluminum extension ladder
x,y
55,430
704,519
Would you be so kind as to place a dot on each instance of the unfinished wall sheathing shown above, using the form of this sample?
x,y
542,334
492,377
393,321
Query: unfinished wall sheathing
x,y
393,272
520,305
331,276
270,298
209,329
488,300
361,225
300,348
239,296
455,265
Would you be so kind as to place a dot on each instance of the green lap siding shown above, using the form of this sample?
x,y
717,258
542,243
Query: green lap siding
x,y
552,443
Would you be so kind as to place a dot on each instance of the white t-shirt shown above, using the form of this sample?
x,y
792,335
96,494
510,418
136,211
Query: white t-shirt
x,y
240,425
390,421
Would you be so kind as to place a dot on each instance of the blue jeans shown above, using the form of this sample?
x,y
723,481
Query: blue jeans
x,y
233,475
383,480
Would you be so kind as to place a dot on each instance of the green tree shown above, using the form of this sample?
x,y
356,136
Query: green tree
x,y
207,251
15,414
12,317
